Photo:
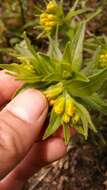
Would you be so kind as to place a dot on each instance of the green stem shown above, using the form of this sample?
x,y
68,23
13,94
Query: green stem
x,y
22,12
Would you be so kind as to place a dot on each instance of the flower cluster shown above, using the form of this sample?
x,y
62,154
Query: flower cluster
x,y
103,60
49,19
63,104
65,107
71,82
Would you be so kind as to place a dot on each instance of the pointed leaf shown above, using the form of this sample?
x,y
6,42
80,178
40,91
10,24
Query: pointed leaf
x,y
80,88
96,103
67,52
66,131
73,13
77,47
54,124
30,47
86,119
14,67
94,14
81,77
54,51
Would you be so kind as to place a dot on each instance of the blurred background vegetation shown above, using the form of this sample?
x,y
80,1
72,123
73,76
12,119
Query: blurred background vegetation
x,y
20,15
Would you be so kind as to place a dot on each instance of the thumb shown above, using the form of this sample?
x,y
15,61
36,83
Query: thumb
x,y
20,125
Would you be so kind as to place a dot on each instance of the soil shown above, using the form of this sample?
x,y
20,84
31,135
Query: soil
x,y
83,168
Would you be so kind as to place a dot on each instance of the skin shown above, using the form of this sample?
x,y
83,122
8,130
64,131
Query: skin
x,y
22,152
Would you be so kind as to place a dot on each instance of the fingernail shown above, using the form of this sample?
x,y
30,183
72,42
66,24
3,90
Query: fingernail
x,y
28,105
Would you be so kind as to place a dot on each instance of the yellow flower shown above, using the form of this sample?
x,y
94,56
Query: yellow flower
x,y
69,106
59,105
53,91
48,21
103,60
51,17
66,118
52,102
102,56
49,24
52,7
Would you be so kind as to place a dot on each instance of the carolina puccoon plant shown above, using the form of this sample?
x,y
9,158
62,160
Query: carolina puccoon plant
x,y
73,84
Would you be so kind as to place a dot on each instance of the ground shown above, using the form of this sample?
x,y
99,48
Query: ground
x,y
83,168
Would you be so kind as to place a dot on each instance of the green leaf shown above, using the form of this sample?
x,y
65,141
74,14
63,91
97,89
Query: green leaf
x,y
25,48
73,13
22,50
46,64
66,131
81,77
86,119
29,46
91,65
54,52
97,80
77,47
96,103
73,51
81,88
54,124
14,67
70,33
77,88
27,51
84,128
75,5
94,14
67,52
80,130
22,72
7,50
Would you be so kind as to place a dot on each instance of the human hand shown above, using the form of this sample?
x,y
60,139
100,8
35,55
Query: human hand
x,y
21,151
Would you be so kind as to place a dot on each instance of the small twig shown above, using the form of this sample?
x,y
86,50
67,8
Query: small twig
x,y
41,178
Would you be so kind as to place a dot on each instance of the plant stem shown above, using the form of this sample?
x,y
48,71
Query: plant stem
x,y
22,12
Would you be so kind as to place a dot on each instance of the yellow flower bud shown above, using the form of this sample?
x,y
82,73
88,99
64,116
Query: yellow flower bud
x,y
43,18
101,56
103,60
69,107
59,105
66,118
43,15
51,17
50,24
48,21
53,91
52,7
52,102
